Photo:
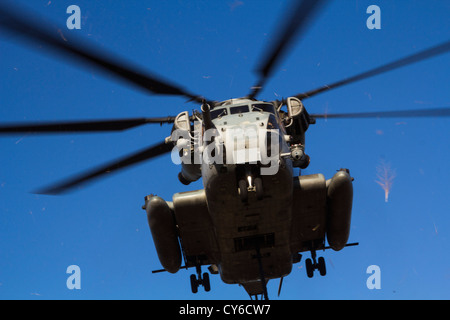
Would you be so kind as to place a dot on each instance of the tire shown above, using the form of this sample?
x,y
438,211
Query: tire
x,y
206,283
194,283
321,266
309,268
259,188
243,190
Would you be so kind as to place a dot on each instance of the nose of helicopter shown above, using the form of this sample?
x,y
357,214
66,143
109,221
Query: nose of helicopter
x,y
250,144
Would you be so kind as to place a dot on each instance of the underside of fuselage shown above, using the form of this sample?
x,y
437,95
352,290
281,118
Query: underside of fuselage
x,y
251,240
256,225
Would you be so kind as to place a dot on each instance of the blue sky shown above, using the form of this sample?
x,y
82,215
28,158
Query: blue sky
x,y
212,48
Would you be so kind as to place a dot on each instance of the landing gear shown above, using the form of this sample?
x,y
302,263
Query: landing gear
x,y
258,188
312,265
198,280
254,185
243,190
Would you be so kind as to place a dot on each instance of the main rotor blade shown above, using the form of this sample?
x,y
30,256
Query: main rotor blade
x,y
422,55
127,161
27,26
296,24
437,112
81,126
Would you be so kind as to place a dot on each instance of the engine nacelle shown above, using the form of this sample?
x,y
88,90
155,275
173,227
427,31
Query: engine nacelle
x,y
339,200
182,136
162,226
297,121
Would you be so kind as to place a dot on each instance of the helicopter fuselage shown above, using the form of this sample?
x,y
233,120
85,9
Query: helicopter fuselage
x,y
253,216
256,214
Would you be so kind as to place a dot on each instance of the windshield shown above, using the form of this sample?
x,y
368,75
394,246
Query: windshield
x,y
272,123
218,113
239,109
263,107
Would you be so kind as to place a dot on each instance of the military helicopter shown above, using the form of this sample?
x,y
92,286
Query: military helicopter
x,y
249,223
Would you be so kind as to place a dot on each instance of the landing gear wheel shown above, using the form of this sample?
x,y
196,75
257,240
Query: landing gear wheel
x,y
205,282
313,264
243,191
321,266
194,283
309,268
199,279
259,188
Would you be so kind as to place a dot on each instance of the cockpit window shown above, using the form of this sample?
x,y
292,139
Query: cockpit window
x,y
218,113
272,123
240,109
263,107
